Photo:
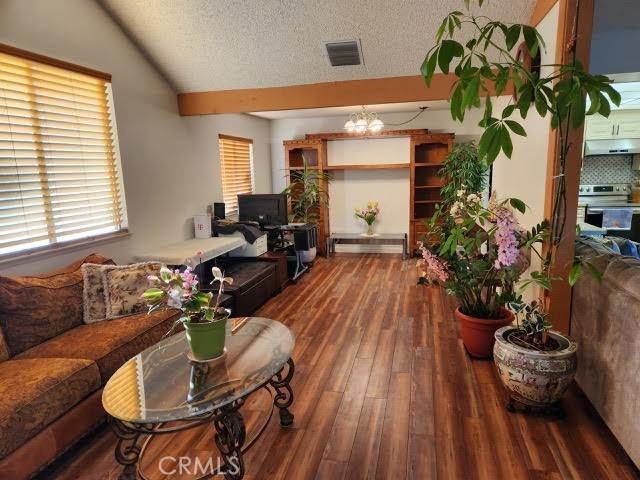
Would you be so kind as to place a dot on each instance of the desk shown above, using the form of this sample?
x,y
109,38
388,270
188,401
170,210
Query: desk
x,y
186,252
378,239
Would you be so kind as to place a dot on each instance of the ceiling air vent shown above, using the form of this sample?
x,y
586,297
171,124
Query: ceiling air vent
x,y
344,53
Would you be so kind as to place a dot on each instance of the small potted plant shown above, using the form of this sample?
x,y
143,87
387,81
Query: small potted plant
x,y
536,364
368,214
204,324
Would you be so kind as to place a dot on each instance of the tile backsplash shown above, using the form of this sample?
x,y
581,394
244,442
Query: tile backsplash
x,y
603,169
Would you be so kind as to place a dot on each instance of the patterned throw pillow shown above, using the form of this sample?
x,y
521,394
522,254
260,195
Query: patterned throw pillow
x,y
124,286
95,308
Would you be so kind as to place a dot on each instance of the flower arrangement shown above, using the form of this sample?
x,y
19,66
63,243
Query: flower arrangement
x,y
180,290
479,253
368,214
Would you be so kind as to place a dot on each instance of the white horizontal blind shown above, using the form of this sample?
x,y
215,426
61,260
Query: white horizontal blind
x,y
59,178
237,170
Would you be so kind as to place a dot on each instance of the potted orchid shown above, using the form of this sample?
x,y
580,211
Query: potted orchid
x,y
204,323
368,214
478,254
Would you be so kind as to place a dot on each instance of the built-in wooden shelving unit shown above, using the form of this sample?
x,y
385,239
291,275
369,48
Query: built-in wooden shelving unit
x,y
369,166
427,153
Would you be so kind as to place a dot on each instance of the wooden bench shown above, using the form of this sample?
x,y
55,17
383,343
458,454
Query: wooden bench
x,y
377,239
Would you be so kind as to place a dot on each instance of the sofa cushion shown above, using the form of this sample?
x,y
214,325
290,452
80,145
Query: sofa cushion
x,y
109,343
35,392
124,286
94,306
36,308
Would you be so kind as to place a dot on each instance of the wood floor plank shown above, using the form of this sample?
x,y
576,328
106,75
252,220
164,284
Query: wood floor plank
x,y
364,454
392,459
384,389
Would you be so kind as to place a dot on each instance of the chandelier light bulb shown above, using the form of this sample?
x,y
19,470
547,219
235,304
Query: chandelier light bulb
x,y
362,121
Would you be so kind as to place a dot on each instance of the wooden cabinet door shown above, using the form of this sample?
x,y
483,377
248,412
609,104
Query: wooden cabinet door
x,y
600,128
628,124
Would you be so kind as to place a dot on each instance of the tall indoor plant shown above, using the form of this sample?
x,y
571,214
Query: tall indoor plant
x,y
307,195
486,63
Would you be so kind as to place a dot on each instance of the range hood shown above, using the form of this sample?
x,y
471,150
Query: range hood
x,y
619,146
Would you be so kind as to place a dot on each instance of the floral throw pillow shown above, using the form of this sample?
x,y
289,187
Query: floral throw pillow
x,y
95,308
124,286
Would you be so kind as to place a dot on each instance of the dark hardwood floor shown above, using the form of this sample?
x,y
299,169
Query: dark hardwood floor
x,y
385,390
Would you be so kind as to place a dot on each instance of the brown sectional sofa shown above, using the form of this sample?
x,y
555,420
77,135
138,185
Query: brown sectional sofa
x,y
53,366
605,321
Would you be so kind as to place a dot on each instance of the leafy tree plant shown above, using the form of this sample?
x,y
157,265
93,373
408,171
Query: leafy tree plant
x,y
463,171
307,193
485,65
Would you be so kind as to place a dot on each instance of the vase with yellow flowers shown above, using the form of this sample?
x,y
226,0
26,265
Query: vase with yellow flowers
x,y
368,214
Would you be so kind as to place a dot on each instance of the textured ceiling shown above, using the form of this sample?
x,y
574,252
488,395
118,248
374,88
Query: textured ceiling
x,y
228,44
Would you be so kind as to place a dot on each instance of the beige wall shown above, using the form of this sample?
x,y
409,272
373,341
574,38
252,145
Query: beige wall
x,y
170,164
524,175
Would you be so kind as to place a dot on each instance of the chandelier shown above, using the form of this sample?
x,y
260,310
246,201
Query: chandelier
x,y
362,121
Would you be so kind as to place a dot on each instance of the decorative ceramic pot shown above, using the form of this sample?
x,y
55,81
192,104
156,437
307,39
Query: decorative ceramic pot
x,y
207,339
532,377
478,333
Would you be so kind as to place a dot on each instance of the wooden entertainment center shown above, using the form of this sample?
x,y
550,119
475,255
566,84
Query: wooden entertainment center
x,y
428,152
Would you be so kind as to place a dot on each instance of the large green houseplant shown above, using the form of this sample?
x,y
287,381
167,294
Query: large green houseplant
x,y
485,64
307,194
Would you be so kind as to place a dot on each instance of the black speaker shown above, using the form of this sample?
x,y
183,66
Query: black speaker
x,y
218,210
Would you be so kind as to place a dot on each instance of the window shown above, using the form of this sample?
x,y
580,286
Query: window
x,y
59,162
236,163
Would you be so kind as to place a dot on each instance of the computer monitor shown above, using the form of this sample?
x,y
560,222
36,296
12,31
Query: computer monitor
x,y
266,209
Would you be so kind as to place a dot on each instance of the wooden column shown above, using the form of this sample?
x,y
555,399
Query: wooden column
x,y
560,296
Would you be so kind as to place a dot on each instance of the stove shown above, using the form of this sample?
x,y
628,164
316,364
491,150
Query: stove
x,y
614,194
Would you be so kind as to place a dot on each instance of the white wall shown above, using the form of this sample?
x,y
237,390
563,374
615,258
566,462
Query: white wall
x,y
170,164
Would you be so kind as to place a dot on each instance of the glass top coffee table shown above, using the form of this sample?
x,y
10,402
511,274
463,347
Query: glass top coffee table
x,y
160,391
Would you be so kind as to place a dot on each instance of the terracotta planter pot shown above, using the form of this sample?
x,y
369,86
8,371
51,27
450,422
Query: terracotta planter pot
x,y
478,333
532,377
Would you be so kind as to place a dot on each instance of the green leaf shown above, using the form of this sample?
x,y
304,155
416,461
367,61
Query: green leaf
x,y
508,110
578,111
441,30
594,98
575,273
512,36
486,140
457,112
605,108
540,103
516,128
488,110
429,67
471,93
524,100
153,294
448,50
507,144
530,39
614,95
518,204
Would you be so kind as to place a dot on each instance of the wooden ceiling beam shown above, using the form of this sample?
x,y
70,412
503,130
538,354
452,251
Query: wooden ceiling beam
x,y
540,10
317,95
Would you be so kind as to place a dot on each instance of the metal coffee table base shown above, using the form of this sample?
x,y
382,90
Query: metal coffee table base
x,y
230,436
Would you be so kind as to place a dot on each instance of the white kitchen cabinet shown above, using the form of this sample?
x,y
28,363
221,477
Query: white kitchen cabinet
x,y
600,128
620,124
628,124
